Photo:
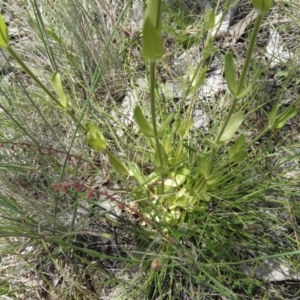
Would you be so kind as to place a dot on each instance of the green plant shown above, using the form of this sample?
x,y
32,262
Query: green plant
x,y
189,242
181,183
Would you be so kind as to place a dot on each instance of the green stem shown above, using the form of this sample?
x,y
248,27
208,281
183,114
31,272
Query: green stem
x,y
39,83
153,112
240,87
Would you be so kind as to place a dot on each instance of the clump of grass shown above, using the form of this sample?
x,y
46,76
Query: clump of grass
x,y
182,218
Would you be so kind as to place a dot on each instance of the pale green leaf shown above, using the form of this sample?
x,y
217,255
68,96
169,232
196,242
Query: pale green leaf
x,y
117,164
198,80
262,6
185,128
272,116
144,126
95,137
153,47
245,92
162,159
285,116
237,152
233,125
229,74
210,23
56,81
203,165
4,37
163,126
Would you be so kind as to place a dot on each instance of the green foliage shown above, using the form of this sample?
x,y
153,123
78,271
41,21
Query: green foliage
x,y
143,124
263,6
194,195
95,137
56,81
232,126
4,39
153,47
229,74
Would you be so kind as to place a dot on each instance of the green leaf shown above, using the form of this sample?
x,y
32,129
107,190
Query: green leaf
x,y
181,176
209,50
153,47
164,156
216,27
163,126
245,92
262,6
176,125
203,166
198,80
234,123
135,172
185,128
272,116
56,81
4,38
237,152
117,164
211,142
283,117
144,126
182,157
167,143
95,137
210,23
229,74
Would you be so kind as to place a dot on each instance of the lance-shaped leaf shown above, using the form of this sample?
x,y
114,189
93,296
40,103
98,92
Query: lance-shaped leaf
x,y
4,38
95,137
233,125
262,6
160,157
245,92
186,126
203,166
135,172
229,74
153,47
285,116
162,128
210,22
144,126
56,81
182,157
167,143
272,116
117,164
237,152
198,80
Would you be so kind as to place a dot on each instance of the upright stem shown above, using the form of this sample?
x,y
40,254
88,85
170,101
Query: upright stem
x,y
239,89
39,83
153,113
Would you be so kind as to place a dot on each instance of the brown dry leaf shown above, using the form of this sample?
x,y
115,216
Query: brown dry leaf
x,y
239,28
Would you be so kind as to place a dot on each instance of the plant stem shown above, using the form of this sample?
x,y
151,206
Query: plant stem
x,y
153,113
40,84
240,87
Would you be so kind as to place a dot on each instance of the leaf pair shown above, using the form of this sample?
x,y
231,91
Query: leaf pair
x,y
96,141
230,78
146,128
278,121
